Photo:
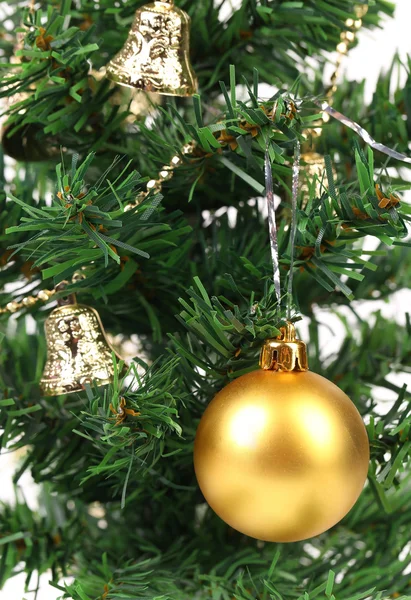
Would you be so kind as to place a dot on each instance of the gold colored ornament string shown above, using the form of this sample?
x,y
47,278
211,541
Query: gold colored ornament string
x,y
153,185
347,38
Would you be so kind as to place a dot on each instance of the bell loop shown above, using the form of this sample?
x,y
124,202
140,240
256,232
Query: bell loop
x,y
65,300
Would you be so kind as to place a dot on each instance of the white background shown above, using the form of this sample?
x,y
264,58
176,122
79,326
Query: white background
x,y
374,53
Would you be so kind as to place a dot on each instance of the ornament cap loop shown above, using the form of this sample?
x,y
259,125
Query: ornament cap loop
x,y
65,300
284,353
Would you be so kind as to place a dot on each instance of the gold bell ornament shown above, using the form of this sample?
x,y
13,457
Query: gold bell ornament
x,y
314,166
281,454
27,144
156,54
77,350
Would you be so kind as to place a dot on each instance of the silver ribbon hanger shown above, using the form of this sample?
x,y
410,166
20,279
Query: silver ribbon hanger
x,y
272,224
294,203
325,107
269,192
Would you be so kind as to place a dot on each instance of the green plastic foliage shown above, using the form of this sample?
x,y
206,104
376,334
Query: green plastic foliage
x,y
189,272
70,103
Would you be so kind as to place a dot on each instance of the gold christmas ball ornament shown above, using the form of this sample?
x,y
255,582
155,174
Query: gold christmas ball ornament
x,y
156,54
281,454
24,145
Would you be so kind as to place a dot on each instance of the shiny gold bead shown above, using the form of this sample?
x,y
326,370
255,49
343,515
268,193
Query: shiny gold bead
x,y
12,306
29,301
44,295
361,10
78,276
188,148
166,174
153,186
139,198
342,48
176,161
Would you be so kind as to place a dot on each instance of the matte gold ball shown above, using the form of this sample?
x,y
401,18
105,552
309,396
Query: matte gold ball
x,y
280,456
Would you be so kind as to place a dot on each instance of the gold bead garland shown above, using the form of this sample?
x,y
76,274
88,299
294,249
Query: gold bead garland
x,y
14,306
153,185
165,174
314,162
346,39
42,296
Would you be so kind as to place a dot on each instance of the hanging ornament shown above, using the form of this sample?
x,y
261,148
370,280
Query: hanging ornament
x,y
77,350
281,454
314,170
26,145
314,175
156,54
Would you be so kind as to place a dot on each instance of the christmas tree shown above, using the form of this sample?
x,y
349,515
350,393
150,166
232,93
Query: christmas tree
x,y
132,194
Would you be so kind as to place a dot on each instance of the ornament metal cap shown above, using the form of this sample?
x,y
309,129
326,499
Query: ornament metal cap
x,y
156,54
77,350
284,353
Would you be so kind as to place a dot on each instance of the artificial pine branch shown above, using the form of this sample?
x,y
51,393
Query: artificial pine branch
x,y
155,538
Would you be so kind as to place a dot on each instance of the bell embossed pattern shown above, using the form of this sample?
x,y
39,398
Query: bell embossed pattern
x,y
77,351
156,54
